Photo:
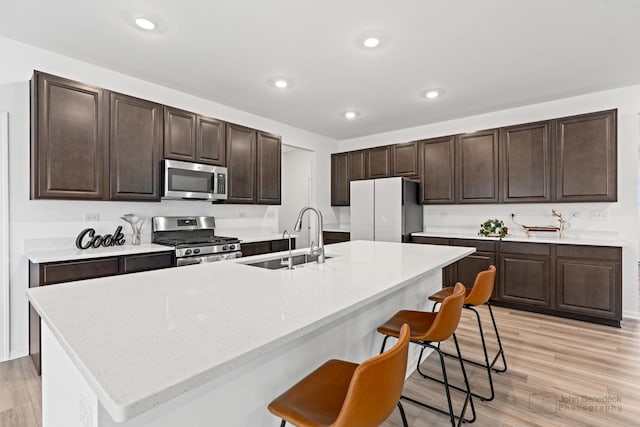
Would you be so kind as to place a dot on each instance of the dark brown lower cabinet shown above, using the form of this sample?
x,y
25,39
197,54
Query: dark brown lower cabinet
x,y
574,281
525,273
588,281
329,237
51,273
266,247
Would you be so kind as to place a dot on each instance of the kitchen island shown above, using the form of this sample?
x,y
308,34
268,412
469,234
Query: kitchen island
x,y
212,344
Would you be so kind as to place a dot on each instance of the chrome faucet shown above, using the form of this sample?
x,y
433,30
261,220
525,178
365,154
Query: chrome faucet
x,y
289,261
315,250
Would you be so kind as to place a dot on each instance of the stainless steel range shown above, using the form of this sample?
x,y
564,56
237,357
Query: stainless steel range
x,y
194,239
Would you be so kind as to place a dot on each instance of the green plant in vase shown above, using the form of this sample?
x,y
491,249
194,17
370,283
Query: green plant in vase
x,y
493,228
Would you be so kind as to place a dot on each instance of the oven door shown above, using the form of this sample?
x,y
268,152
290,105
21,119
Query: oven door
x,y
207,258
194,181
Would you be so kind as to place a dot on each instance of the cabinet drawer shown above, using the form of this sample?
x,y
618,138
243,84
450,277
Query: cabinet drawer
x,y
430,240
525,248
589,252
480,245
255,248
146,262
335,237
77,270
281,245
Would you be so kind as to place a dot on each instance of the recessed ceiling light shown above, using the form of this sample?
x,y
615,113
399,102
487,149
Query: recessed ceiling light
x,y
281,82
371,42
351,114
432,93
145,24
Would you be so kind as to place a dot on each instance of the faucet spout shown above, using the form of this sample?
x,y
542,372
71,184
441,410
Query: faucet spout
x,y
315,250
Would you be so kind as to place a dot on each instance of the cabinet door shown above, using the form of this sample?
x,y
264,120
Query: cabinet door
x,y
526,163
525,274
241,164
340,179
146,262
357,165
135,143
477,167
405,159
255,248
179,134
329,237
69,157
586,158
282,245
268,169
379,162
211,141
589,281
437,170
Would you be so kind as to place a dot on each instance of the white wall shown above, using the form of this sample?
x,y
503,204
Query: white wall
x,y
296,177
60,221
622,222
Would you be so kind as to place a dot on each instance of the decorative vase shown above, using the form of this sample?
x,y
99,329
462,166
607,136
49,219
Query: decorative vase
x,y
136,227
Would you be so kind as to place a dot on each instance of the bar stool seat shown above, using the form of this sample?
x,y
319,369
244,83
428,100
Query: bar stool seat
x,y
345,394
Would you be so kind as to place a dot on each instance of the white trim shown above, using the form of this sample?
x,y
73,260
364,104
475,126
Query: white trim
x,y
631,315
4,236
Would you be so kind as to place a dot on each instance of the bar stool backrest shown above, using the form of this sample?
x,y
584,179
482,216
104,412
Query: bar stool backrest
x,y
376,387
482,287
448,317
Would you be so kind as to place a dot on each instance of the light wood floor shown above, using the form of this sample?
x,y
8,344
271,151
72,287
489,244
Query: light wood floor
x,y
550,359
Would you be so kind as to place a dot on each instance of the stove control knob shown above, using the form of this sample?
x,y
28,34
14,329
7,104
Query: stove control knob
x,y
187,252
232,247
196,251
225,248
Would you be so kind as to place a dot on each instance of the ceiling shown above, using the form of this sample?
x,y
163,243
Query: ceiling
x,y
485,55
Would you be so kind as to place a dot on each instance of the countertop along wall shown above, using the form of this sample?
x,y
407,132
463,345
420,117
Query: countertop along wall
x,y
621,221
53,222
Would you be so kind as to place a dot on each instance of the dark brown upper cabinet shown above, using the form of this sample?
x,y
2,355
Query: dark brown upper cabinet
x,y
477,167
357,165
437,168
135,144
405,160
525,163
379,162
586,158
179,134
69,139
211,141
241,164
340,182
268,169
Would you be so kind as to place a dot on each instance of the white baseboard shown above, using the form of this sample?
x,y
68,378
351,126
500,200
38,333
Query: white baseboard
x,y
631,315
16,354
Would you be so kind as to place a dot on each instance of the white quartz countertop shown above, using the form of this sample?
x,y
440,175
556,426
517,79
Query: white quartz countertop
x,y
340,228
142,339
552,238
70,254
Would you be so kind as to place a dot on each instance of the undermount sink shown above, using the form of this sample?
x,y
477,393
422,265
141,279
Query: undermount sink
x,y
275,263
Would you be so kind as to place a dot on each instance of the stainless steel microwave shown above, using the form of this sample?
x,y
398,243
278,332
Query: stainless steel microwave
x,y
194,181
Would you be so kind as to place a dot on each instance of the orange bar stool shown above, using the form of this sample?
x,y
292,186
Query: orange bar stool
x,y
478,295
345,394
433,327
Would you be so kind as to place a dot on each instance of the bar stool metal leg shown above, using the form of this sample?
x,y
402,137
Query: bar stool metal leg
x,y
500,351
469,396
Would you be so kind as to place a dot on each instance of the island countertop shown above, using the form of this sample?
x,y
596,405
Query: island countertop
x,y
142,339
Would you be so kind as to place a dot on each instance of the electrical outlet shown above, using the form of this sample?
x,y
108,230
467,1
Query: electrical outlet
x,y
598,215
443,213
92,217
242,214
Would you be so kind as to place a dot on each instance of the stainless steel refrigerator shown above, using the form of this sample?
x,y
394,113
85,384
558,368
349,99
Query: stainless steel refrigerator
x,y
385,209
